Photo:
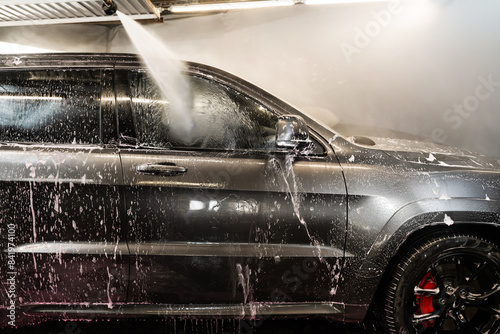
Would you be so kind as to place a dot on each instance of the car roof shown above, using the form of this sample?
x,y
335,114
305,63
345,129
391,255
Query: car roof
x,y
104,61
75,60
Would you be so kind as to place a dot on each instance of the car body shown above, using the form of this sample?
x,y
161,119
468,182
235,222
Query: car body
x,y
111,208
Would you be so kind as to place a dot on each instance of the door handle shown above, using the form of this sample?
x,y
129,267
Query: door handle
x,y
164,169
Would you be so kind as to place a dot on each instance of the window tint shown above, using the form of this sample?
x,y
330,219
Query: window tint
x,y
216,117
50,106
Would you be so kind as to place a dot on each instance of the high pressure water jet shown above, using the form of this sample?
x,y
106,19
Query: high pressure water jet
x,y
167,71
109,7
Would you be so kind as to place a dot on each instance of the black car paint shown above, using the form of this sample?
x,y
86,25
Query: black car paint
x,y
367,202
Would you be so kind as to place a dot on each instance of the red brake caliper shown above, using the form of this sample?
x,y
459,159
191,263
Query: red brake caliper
x,y
424,303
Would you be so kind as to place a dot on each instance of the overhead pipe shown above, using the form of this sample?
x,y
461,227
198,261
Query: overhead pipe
x,y
109,7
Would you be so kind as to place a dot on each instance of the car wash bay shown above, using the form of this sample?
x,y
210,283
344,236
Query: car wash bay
x,y
341,62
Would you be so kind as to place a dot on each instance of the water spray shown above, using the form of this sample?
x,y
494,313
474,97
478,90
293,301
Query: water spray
x,y
109,7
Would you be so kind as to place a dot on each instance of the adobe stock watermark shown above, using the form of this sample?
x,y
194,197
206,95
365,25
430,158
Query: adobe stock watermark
x,y
11,274
363,37
455,116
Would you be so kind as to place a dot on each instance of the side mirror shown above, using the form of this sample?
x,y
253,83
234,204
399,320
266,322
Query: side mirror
x,y
292,134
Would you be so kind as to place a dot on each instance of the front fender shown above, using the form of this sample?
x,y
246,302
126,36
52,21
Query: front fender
x,y
363,278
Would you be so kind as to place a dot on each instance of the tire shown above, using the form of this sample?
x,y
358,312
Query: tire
x,y
448,284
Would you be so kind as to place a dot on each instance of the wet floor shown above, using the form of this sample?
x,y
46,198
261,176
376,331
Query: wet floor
x,y
268,326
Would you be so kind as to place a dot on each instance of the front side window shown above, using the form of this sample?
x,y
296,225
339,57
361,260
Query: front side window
x,y
210,116
50,106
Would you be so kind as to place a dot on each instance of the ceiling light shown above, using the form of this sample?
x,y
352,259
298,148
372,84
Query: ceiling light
x,y
229,6
257,4
328,2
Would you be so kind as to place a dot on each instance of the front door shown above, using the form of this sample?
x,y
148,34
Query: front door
x,y
215,214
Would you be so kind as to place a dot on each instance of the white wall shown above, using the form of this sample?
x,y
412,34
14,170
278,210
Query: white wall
x,y
421,60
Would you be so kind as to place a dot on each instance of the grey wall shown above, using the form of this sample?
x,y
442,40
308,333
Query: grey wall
x,y
66,38
418,66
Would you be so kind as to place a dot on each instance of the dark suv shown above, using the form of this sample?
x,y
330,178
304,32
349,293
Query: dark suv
x,y
248,208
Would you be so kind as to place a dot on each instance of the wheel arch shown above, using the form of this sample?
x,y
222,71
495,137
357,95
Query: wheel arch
x,y
415,222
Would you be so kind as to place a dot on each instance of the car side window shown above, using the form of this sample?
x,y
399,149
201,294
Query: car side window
x,y
216,117
50,106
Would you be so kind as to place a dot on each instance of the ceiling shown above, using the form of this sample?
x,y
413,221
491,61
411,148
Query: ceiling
x,y
39,12
36,12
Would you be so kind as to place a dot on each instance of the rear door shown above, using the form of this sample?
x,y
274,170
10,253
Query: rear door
x,y
215,213
59,212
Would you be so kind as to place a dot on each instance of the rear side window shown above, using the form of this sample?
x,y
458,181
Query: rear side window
x,y
47,106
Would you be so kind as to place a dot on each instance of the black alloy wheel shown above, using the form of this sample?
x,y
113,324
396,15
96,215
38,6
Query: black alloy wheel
x,y
448,284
